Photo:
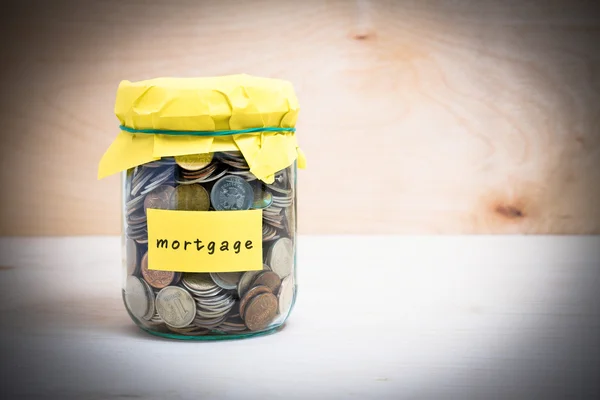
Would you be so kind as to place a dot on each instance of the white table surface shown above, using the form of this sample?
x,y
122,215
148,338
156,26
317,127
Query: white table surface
x,y
377,317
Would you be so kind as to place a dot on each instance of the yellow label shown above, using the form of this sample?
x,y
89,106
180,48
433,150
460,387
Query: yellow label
x,y
204,241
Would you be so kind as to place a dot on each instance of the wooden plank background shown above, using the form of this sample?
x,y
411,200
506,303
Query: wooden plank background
x,y
461,116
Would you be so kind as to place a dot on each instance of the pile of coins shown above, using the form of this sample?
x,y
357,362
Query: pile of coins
x,y
209,303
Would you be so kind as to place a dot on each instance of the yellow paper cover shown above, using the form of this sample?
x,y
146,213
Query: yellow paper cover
x,y
230,102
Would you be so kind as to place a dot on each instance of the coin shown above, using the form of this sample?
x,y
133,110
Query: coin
x,y
131,256
262,199
137,299
231,193
286,294
137,218
290,221
256,290
175,306
144,177
203,173
155,319
226,280
269,233
159,198
246,281
200,282
209,323
151,301
194,162
281,257
155,278
261,311
177,278
232,325
165,177
190,198
269,279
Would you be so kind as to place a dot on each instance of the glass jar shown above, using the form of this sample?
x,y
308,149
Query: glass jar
x,y
210,305
208,237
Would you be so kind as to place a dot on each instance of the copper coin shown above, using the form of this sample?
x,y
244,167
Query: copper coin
x,y
261,311
190,198
245,282
159,198
269,279
249,295
203,173
156,279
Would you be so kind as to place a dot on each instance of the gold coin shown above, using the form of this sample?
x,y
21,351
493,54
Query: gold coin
x,y
190,198
194,162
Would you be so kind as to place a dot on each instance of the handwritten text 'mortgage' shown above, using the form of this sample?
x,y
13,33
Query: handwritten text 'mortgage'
x,y
210,247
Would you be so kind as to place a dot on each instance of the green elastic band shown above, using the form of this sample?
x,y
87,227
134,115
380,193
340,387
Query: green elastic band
x,y
206,133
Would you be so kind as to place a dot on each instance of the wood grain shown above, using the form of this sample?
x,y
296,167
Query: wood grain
x,y
416,116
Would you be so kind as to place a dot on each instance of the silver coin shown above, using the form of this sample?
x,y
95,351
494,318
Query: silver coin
x,y
269,233
231,193
215,301
208,294
131,256
175,306
214,309
286,294
151,301
290,221
208,313
281,257
214,304
134,203
159,180
280,190
226,280
137,298
135,176
202,314
199,282
209,324
139,185
273,210
201,321
245,282
156,319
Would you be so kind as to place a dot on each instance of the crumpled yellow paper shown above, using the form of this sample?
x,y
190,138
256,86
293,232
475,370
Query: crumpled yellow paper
x,y
206,104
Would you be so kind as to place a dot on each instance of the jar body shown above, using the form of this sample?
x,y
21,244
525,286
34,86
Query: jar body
x,y
209,305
